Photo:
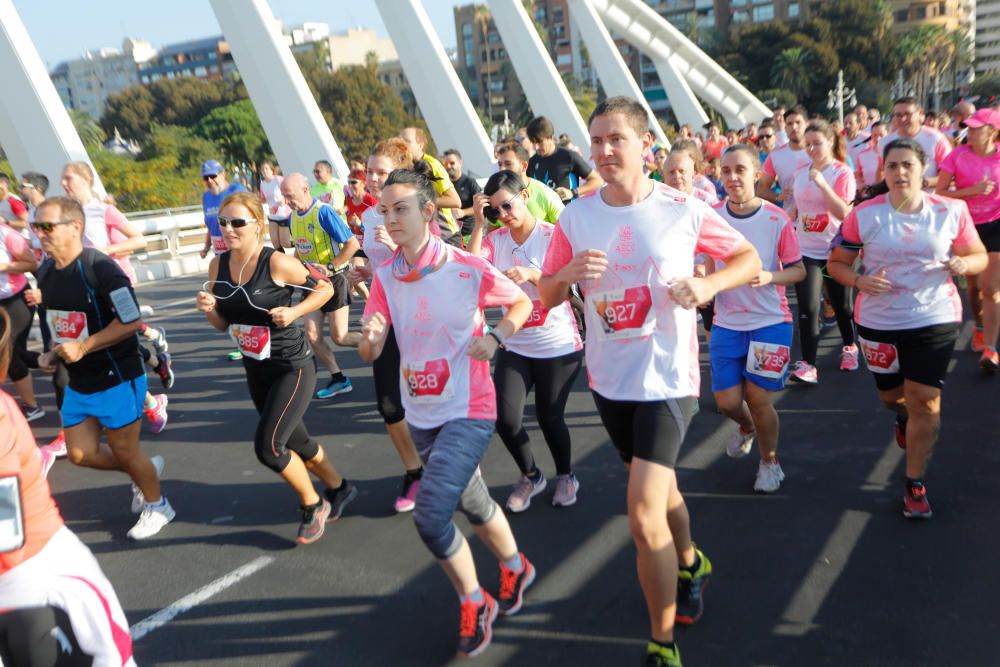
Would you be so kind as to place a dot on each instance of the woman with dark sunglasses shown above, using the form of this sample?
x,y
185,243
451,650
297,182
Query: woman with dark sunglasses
x,y
546,354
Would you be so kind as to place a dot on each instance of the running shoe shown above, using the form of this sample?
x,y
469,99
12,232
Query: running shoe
x,y
512,586
849,358
406,500
138,500
978,340
145,312
157,415
313,522
48,458
235,355
829,315
152,520
769,477
990,361
160,343
900,431
915,505
340,498
32,412
740,443
475,626
164,369
524,490
804,372
691,589
335,388
566,488
58,446
661,656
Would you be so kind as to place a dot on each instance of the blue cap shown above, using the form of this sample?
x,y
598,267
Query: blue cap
x,y
211,168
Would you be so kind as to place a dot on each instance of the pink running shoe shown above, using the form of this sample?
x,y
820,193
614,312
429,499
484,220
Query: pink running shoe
x,y
849,358
57,447
157,415
804,372
48,458
407,500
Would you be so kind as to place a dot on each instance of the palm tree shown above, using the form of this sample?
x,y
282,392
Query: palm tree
x,y
792,70
89,130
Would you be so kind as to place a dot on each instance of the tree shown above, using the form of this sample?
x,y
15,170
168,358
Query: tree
x,y
986,86
792,70
178,143
584,97
778,97
237,131
89,130
131,112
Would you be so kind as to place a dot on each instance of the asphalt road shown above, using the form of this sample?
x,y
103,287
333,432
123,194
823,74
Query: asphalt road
x,y
825,572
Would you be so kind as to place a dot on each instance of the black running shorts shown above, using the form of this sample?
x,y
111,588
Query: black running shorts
x,y
647,430
923,354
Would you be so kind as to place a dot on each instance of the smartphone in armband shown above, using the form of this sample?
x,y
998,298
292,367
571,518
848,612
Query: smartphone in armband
x,y
125,305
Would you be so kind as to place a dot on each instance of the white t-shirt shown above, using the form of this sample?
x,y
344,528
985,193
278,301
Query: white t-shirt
x,y
377,253
274,202
747,308
936,146
868,163
783,163
910,249
780,139
641,345
103,225
815,223
548,332
434,319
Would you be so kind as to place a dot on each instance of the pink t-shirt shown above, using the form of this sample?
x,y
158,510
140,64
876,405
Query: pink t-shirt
x,y
968,168
815,224
910,249
641,345
549,332
783,163
770,231
936,146
434,320
869,161
12,244
703,182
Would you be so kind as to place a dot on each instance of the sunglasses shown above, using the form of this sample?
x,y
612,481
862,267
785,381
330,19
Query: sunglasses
x,y
235,223
493,213
209,177
48,226
353,181
765,136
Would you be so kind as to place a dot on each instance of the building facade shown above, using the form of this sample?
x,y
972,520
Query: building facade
x,y
987,36
207,58
87,82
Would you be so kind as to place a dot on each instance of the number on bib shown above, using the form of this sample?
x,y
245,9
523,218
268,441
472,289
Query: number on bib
x,y
67,326
539,314
815,223
428,382
253,341
769,360
880,357
624,313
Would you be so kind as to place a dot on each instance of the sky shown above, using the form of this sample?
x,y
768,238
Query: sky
x,y
97,23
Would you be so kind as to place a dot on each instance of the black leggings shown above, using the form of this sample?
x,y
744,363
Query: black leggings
x,y
385,372
552,379
21,315
281,396
808,292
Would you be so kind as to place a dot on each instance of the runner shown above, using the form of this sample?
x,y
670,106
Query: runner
x,y
447,197
94,316
715,143
327,188
58,608
546,355
869,160
908,118
974,169
632,248
824,194
562,170
786,160
436,295
249,294
543,202
660,154
909,310
17,260
751,341
357,202
12,209
274,204
217,188
466,187
700,181
778,121
324,241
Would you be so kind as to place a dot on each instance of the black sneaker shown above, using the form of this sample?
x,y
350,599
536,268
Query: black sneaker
x,y
32,412
339,498
690,588
661,656
512,586
475,628
313,522
164,369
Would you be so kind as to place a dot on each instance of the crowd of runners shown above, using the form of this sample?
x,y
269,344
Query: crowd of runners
x,y
557,261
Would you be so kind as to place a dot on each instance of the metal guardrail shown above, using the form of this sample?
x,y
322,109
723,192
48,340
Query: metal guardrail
x,y
177,230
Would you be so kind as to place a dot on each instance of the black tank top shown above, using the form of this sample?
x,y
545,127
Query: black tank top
x,y
288,345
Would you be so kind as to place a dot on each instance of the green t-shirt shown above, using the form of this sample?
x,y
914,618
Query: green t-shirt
x,y
331,193
543,202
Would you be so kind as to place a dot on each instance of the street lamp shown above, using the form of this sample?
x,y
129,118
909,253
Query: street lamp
x,y
839,95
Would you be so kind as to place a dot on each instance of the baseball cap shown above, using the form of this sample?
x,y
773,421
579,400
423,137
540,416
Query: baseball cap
x,y
983,117
211,168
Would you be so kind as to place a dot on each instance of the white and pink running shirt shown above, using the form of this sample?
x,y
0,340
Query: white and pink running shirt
x,y
936,146
784,163
434,320
747,308
968,168
377,253
816,225
703,182
641,345
12,244
548,332
910,249
869,161
274,202
104,225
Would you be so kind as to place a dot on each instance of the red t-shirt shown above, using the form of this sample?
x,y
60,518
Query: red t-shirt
x,y
354,212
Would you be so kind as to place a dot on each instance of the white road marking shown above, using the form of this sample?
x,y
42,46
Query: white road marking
x,y
528,633
192,600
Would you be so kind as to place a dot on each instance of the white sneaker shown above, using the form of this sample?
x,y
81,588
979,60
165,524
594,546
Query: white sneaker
x,y
740,444
566,488
138,501
152,520
769,477
524,491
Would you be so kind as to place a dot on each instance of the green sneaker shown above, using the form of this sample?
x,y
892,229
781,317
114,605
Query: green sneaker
x,y
661,656
691,589
235,355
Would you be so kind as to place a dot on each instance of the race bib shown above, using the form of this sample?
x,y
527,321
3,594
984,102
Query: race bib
x,y
429,382
539,314
219,245
624,313
67,326
768,360
303,246
11,515
880,357
253,341
815,223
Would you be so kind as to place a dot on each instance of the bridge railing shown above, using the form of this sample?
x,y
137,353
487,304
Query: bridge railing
x,y
170,232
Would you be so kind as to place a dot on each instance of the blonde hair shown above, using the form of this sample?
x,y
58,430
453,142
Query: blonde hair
x,y
250,202
83,170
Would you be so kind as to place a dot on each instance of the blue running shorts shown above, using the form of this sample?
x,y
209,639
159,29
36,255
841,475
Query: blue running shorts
x,y
114,408
761,356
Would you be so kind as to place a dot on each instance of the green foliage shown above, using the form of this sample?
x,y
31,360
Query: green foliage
x,y
778,97
793,70
178,143
149,184
986,85
89,130
237,131
584,97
